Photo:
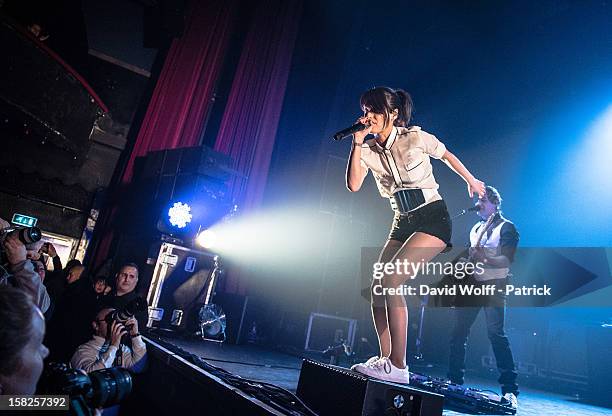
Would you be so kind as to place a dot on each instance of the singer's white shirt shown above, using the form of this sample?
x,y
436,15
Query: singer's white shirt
x,y
404,161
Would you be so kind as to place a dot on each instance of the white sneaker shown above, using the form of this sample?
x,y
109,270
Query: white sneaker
x,y
370,361
511,397
383,369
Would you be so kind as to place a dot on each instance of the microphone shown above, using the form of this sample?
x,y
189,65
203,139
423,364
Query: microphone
x,y
465,211
349,130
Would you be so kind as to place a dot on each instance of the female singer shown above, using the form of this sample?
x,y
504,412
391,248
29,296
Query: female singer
x,y
399,157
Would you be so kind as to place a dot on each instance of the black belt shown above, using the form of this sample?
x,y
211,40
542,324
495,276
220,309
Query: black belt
x,y
407,200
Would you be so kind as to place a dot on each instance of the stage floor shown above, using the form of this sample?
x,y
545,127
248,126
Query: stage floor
x,y
283,370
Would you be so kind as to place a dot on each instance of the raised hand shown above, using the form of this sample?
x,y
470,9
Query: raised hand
x,y
117,331
476,187
359,136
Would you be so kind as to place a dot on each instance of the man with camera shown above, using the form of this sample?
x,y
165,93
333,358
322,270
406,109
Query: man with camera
x,y
16,269
108,347
125,292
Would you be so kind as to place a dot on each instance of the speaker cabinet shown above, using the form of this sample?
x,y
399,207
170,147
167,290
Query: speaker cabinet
x,y
331,390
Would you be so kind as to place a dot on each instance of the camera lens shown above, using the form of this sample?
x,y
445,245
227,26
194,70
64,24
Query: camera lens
x,y
101,388
29,235
109,386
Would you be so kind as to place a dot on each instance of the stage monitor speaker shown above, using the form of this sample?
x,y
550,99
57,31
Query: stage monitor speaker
x,y
331,390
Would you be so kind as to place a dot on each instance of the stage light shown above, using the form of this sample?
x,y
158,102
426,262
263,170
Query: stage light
x,y
207,239
180,215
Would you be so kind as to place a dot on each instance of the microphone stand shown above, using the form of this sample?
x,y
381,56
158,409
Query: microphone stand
x,y
418,356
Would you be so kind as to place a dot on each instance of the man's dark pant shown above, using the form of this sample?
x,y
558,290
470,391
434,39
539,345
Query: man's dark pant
x,y
465,314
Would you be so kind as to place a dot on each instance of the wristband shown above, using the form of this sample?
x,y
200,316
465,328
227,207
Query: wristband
x,y
137,334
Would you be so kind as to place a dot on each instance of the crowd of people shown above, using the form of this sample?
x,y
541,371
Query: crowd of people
x,y
62,315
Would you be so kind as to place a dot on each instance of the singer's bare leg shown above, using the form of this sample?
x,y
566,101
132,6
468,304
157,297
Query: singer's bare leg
x,y
420,247
379,307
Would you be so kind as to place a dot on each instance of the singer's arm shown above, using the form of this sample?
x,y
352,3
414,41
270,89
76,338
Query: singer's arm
x,y
474,185
355,173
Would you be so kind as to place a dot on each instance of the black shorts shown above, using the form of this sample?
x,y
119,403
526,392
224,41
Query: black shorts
x,y
432,219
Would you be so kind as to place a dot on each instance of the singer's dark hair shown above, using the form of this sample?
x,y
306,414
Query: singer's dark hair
x,y
383,100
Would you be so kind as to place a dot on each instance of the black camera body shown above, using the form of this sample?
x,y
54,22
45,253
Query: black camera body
x,y
98,389
123,314
128,311
27,235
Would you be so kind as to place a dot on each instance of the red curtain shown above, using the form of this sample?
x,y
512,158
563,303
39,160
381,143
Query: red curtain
x,y
182,97
248,127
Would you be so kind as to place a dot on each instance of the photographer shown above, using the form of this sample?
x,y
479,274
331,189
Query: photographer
x,y
21,349
18,270
106,349
125,292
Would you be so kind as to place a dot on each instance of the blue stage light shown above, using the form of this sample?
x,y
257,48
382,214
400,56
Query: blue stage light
x,y
180,215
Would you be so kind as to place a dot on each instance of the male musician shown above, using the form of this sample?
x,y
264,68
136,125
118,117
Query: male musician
x,y
493,241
